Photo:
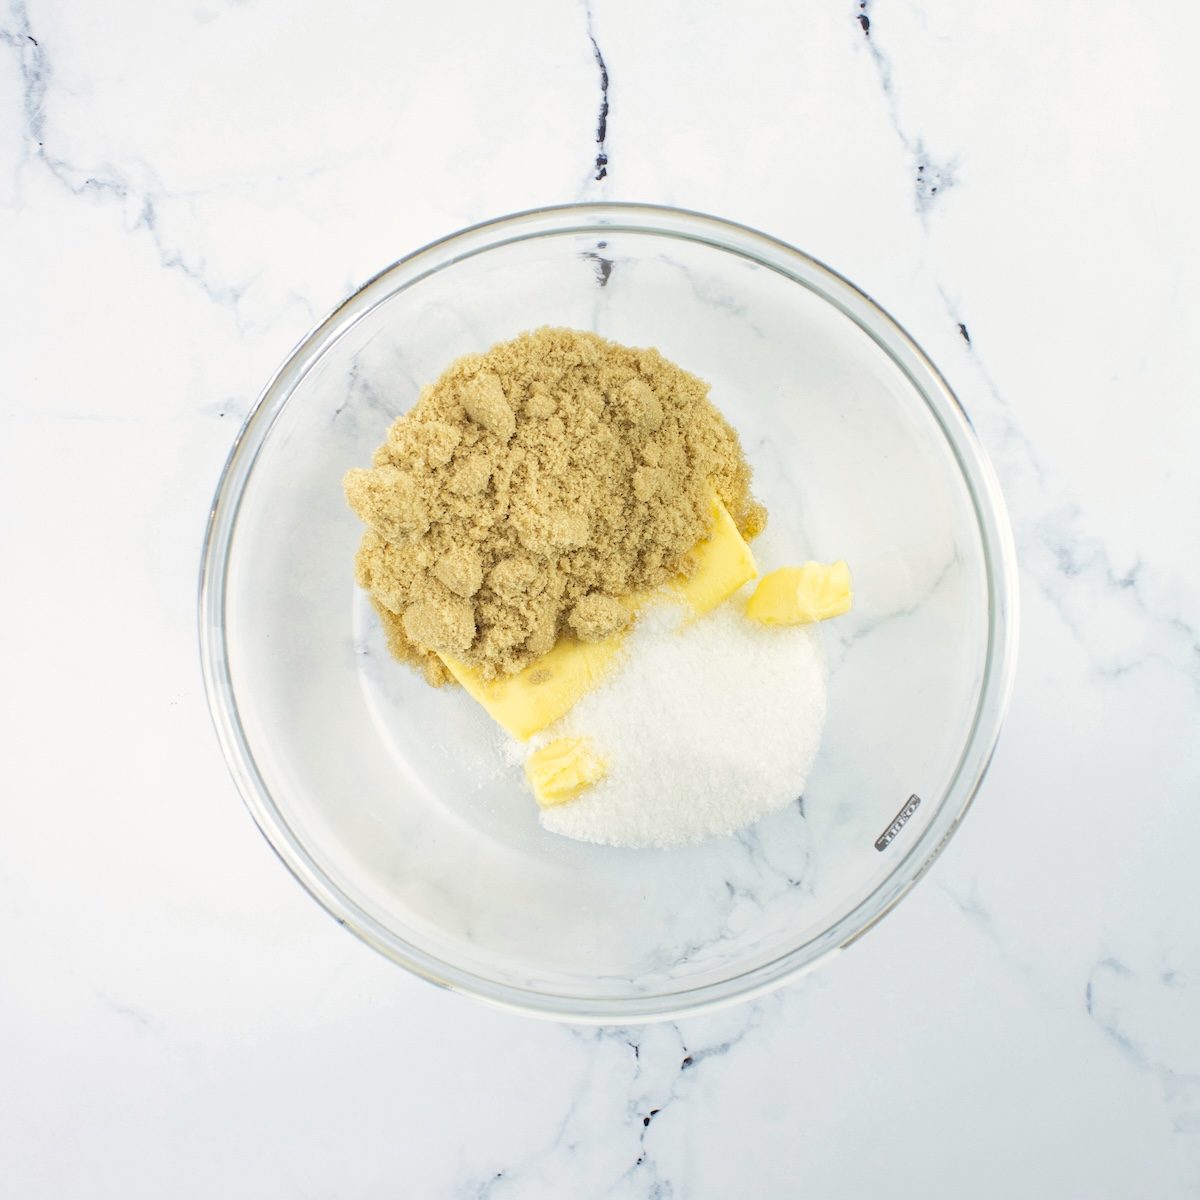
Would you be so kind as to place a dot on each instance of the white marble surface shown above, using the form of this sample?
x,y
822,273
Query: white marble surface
x,y
185,188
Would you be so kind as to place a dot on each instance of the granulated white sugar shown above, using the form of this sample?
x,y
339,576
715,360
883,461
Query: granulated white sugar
x,y
706,728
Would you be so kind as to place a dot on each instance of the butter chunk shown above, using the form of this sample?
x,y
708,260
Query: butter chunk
x,y
561,770
723,564
800,595
531,699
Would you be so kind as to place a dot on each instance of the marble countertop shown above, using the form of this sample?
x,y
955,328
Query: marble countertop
x,y
184,189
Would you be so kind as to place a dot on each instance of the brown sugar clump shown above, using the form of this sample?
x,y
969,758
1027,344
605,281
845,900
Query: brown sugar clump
x,y
532,487
598,616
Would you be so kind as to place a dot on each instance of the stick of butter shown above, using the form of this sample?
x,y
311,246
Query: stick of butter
x,y
723,564
558,772
533,698
800,595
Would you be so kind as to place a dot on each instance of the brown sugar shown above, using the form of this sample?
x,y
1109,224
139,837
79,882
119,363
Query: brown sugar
x,y
532,487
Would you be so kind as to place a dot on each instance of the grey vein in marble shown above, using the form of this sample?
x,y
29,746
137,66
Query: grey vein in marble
x,y
607,1134
930,178
139,200
600,165
1073,569
1114,620
601,263
1129,1009
138,1017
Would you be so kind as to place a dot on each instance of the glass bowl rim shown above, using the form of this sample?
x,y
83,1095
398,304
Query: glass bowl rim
x,y
745,242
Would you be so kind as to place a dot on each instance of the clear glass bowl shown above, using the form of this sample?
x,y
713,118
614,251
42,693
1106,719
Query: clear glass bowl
x,y
391,803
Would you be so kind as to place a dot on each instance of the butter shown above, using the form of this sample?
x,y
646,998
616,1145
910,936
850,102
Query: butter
x,y
560,771
799,595
723,564
550,686
533,698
